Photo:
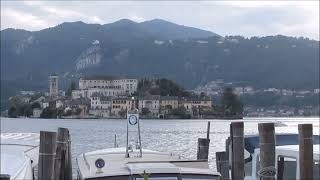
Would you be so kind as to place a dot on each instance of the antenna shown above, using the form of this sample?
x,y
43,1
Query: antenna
x,y
133,120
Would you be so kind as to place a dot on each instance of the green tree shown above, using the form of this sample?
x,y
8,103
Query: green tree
x,y
12,113
35,105
180,112
27,110
122,113
230,103
49,113
145,111
78,111
71,88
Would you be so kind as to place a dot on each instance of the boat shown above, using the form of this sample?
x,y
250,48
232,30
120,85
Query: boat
x,y
135,163
278,123
19,155
287,157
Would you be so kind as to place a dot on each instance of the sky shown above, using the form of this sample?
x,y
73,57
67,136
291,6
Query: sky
x,y
246,18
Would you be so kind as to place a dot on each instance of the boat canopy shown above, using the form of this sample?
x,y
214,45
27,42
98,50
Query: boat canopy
x,y
251,142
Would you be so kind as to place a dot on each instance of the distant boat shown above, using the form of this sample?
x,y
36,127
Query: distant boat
x,y
19,155
278,123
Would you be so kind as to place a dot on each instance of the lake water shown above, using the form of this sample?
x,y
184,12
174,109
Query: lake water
x,y
177,136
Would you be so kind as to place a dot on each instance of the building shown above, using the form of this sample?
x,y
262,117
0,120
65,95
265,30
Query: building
x,y
168,103
100,105
45,104
78,106
36,112
191,104
99,101
120,106
186,104
152,103
201,102
107,85
53,85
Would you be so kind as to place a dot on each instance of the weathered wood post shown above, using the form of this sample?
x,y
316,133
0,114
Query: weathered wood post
x,y
305,151
208,130
223,164
47,152
68,170
267,151
60,160
203,146
237,139
228,143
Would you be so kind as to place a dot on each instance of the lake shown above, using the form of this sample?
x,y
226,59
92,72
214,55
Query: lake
x,y
176,136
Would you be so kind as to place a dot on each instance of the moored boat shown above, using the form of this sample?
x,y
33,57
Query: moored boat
x,y
19,155
135,163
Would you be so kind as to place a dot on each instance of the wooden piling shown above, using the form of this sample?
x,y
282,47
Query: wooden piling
x,y
203,145
305,151
267,151
68,170
280,169
223,164
60,160
203,148
47,152
228,142
208,130
237,139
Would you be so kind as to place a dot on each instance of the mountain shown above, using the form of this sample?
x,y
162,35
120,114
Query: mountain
x,y
155,48
168,30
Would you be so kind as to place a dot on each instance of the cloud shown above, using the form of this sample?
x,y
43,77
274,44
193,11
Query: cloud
x,y
136,18
17,19
247,18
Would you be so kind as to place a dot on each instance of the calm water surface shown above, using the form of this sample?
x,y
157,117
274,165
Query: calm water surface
x,y
177,136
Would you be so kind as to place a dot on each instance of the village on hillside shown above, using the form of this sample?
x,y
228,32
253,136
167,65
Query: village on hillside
x,y
111,97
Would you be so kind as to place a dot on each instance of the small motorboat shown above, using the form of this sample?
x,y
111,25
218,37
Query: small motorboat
x,y
134,163
19,155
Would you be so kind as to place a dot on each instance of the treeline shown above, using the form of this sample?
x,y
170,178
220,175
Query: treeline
x,y
21,108
163,87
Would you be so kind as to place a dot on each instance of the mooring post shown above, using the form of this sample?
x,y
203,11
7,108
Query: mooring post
x,y
223,164
267,151
305,151
237,162
68,170
61,153
228,142
208,130
203,146
47,152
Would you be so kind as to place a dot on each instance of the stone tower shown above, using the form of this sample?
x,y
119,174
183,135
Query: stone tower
x,y
53,85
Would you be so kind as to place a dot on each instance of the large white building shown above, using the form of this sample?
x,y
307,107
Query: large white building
x,y
105,85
